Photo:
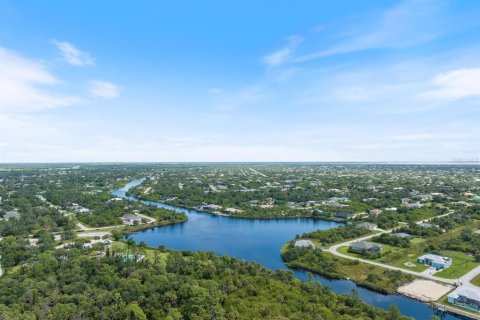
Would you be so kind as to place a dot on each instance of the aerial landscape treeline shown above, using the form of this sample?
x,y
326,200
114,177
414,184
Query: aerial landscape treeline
x,y
64,254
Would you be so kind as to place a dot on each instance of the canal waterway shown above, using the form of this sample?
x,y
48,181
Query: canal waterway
x,y
258,240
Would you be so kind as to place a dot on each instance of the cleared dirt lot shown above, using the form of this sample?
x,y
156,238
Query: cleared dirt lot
x,y
425,290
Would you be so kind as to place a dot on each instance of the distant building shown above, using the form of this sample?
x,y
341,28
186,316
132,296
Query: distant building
x,y
11,215
345,215
366,225
436,261
375,212
427,225
361,246
391,209
402,235
304,244
131,218
466,297
413,205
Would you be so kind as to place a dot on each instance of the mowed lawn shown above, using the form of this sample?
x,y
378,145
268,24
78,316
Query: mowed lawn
x,y
462,263
387,250
476,281
412,258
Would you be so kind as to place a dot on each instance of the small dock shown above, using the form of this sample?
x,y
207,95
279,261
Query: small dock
x,y
469,315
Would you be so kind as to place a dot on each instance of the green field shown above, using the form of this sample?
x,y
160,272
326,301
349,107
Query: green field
x,y
476,281
462,263
412,258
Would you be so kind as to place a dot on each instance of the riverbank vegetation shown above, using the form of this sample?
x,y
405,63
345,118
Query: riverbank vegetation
x,y
336,235
324,263
167,285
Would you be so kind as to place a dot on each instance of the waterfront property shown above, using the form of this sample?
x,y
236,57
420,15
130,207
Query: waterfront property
x,y
361,246
304,244
466,297
131,219
345,215
435,261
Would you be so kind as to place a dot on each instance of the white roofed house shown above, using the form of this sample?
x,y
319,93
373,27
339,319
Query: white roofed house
x,y
11,215
467,297
304,244
131,219
375,212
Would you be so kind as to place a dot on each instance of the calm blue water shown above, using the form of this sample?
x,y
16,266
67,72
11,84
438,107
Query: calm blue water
x,y
258,240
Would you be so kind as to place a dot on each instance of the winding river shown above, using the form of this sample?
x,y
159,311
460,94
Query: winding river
x,y
257,240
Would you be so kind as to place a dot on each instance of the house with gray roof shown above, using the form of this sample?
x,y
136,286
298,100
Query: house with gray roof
x,y
131,219
11,215
435,261
466,297
304,244
361,246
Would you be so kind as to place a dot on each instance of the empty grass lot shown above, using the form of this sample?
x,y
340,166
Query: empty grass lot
x,y
462,263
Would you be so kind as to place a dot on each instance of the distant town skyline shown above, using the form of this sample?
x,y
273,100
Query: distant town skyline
x,y
377,81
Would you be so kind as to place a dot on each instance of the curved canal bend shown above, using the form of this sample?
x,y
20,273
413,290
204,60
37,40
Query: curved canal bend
x,y
257,240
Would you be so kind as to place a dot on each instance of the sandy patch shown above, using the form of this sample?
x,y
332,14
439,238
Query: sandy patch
x,y
424,290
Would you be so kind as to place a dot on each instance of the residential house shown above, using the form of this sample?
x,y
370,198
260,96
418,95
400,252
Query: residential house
x,y
304,244
427,225
11,215
361,246
402,235
131,219
436,261
345,215
466,297
375,212
366,225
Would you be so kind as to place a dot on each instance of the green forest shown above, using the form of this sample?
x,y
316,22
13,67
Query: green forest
x,y
177,285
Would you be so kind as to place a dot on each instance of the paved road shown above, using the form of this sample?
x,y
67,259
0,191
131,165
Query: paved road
x,y
85,228
333,250
150,219
258,172
465,280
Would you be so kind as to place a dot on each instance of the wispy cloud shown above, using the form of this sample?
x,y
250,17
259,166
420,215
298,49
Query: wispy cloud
x,y
409,23
23,84
455,84
103,89
71,55
215,90
282,55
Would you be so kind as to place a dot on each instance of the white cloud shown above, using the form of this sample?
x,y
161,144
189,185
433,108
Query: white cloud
x,y
22,83
103,89
409,23
456,84
72,55
282,55
215,90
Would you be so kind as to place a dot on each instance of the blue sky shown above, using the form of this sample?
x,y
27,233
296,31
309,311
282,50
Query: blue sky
x,y
245,81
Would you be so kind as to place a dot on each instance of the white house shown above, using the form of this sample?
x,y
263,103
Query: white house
x,y
304,244
466,297
131,218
